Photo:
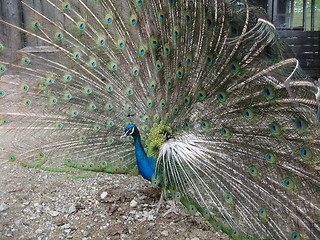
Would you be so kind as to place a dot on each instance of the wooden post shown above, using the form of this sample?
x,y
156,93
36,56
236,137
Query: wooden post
x,y
304,15
292,14
11,38
29,17
313,8
275,13
270,12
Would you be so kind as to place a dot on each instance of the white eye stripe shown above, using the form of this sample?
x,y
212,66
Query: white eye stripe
x,y
127,132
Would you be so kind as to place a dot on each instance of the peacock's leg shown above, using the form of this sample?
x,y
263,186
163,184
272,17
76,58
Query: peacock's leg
x,y
173,207
159,203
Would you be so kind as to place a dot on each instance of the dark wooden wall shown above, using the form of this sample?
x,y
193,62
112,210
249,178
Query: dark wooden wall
x,y
10,11
306,47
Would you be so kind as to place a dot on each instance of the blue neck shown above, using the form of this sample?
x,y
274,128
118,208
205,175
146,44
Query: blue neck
x,y
146,165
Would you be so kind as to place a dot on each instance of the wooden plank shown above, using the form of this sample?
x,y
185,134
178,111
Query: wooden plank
x,y
54,14
29,17
304,49
10,37
311,63
313,73
298,34
301,41
307,57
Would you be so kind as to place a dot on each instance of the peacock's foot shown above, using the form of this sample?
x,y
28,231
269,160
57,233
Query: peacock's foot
x,y
173,207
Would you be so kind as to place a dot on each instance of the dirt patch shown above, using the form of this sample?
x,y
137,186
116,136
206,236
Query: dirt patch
x,y
36,204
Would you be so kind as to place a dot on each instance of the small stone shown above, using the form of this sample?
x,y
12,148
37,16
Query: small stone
x,y
195,238
38,209
18,222
72,208
123,236
104,195
103,227
165,233
85,233
39,231
26,210
65,226
54,213
3,207
133,203
60,222
142,197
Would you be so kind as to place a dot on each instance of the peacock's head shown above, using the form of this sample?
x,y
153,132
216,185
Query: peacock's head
x,y
130,130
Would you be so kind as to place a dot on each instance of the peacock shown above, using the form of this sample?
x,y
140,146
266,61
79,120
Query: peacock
x,y
201,98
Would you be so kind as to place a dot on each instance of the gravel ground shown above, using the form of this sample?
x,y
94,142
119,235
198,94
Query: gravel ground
x,y
36,204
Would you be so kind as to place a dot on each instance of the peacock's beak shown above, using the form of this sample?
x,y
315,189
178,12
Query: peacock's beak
x,y
126,133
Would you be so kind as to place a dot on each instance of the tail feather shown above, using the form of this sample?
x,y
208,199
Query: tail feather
x,y
235,121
